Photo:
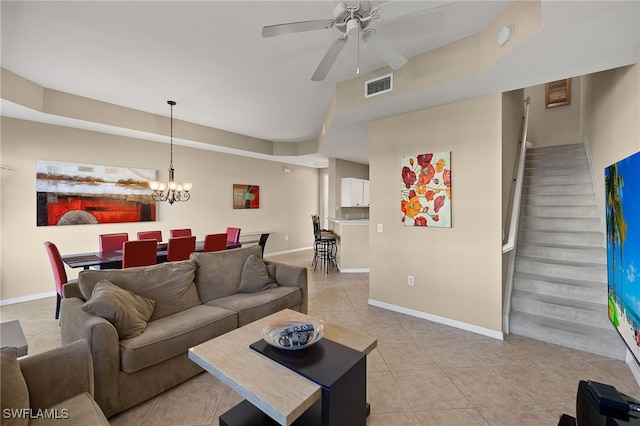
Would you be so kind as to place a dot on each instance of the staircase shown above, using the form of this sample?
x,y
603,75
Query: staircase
x,y
560,280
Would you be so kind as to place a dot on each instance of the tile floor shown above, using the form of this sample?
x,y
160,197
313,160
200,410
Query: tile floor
x,y
422,373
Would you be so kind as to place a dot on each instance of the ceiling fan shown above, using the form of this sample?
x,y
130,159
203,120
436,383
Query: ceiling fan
x,y
352,18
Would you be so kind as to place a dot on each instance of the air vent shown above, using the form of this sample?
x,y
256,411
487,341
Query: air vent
x,y
378,86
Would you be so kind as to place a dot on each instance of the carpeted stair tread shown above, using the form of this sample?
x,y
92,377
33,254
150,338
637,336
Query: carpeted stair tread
x,y
591,339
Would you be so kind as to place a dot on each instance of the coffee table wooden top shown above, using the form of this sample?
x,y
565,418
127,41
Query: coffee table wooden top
x,y
277,391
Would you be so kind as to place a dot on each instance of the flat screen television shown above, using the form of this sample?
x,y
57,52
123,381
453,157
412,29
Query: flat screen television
x,y
622,207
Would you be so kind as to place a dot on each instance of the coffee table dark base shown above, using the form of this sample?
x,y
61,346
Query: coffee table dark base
x,y
340,371
246,414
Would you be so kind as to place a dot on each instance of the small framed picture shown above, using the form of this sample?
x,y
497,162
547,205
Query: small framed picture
x,y
558,93
246,196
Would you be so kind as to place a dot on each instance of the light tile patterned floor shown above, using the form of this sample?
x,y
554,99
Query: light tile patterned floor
x,y
422,373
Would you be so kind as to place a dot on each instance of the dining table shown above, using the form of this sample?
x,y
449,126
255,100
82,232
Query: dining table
x,y
112,259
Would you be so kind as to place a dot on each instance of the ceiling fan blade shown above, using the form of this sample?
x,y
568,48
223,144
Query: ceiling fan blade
x,y
393,9
329,59
384,49
296,27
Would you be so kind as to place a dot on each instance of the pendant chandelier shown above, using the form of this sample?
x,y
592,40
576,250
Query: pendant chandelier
x,y
171,191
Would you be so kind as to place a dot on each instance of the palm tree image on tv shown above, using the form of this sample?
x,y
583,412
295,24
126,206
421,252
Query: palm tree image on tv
x,y
622,210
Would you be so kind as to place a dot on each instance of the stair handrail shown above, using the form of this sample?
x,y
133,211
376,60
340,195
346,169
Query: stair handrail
x,y
509,246
518,180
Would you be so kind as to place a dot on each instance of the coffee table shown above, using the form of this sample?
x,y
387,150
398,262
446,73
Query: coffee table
x,y
273,389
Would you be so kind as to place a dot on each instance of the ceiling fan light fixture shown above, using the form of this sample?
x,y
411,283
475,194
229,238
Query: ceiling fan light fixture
x,y
353,25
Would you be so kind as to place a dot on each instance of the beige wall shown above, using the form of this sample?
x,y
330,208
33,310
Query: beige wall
x,y
286,199
611,117
458,270
554,126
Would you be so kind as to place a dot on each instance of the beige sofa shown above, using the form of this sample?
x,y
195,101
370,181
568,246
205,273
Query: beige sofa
x,y
53,387
191,302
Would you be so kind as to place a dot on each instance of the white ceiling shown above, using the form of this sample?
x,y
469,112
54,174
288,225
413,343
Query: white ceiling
x,y
210,57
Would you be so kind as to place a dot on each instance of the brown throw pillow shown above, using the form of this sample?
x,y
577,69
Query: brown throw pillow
x,y
255,276
128,312
15,395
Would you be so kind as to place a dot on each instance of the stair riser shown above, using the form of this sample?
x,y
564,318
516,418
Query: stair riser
x,y
554,211
574,147
556,162
610,346
587,273
539,286
590,256
566,238
557,180
568,189
558,200
573,224
579,316
557,171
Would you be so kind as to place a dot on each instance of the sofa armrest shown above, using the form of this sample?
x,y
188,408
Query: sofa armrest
x,y
72,289
104,345
58,374
293,276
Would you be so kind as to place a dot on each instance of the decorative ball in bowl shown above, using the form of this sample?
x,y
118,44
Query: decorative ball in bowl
x,y
293,334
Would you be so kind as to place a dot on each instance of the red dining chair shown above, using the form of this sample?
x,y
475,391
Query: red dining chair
x,y
59,273
215,242
150,235
109,242
139,253
233,237
180,248
186,232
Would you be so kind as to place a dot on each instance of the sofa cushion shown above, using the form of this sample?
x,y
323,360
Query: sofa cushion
x,y
218,273
253,306
169,284
255,276
174,335
80,410
14,393
128,312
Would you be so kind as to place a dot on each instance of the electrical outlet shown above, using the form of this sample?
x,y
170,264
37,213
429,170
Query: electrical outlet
x,y
380,228
410,280
286,238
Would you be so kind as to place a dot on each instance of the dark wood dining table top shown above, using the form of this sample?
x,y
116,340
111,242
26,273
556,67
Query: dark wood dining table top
x,y
112,259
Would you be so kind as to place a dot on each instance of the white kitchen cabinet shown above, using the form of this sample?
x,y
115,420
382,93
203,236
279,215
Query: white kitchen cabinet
x,y
354,192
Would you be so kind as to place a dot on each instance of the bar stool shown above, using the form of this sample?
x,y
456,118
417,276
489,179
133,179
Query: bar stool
x,y
324,246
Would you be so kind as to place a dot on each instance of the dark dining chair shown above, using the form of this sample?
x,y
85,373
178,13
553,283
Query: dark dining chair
x,y
186,232
109,242
139,253
59,273
233,237
150,235
215,242
180,248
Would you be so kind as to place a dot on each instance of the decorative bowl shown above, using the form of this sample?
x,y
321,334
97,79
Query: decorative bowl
x,y
293,334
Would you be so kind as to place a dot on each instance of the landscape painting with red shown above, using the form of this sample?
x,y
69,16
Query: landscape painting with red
x,y
79,194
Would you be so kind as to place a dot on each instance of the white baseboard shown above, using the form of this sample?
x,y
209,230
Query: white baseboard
x,y
277,253
633,366
353,270
28,298
441,320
